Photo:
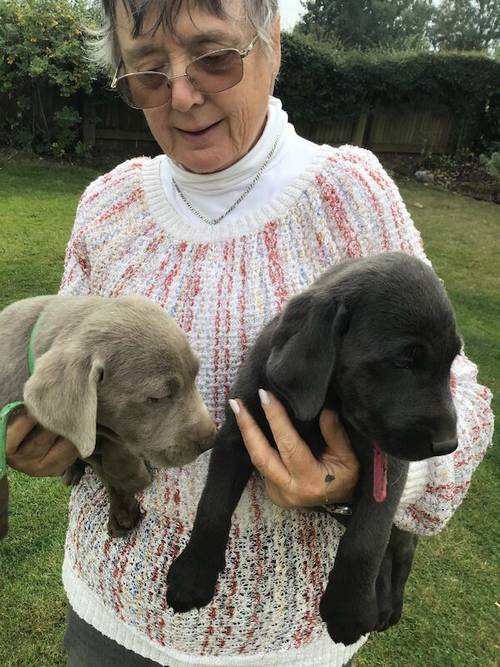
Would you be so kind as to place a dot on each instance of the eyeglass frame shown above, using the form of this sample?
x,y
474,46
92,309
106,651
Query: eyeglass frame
x,y
243,53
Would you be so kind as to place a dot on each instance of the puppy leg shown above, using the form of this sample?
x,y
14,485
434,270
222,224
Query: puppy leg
x,y
384,592
124,474
394,573
349,605
193,576
124,512
74,473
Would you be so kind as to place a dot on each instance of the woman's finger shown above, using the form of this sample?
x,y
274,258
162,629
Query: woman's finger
x,y
58,459
336,438
19,427
339,459
35,451
263,456
36,444
295,453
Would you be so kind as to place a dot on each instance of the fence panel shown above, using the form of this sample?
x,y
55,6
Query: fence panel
x,y
412,132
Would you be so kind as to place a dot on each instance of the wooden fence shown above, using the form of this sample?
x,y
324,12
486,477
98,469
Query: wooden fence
x,y
114,127
390,131
110,126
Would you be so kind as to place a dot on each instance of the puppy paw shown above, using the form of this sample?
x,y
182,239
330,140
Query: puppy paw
x,y
123,517
191,581
347,620
389,595
389,615
74,473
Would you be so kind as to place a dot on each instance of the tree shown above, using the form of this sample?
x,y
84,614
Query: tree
x,y
365,24
467,25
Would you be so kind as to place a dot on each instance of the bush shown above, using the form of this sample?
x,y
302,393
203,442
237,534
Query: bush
x,y
43,64
65,131
492,165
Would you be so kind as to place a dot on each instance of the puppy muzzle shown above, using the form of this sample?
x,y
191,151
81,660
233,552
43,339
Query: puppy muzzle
x,y
207,440
202,437
442,447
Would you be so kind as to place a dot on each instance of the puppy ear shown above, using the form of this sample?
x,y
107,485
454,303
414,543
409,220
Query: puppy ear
x,y
303,354
62,395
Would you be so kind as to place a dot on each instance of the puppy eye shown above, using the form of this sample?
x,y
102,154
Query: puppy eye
x,y
158,399
403,363
407,360
168,393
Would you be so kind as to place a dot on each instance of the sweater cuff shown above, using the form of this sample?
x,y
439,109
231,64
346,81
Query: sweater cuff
x,y
418,474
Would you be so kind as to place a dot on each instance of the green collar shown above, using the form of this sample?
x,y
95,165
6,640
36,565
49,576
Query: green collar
x,y
7,410
31,350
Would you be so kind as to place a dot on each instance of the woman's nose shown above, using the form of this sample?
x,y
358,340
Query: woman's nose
x,y
184,94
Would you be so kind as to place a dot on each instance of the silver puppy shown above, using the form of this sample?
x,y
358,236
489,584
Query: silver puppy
x,y
114,376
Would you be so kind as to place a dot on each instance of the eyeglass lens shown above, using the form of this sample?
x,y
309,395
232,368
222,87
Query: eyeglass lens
x,y
211,73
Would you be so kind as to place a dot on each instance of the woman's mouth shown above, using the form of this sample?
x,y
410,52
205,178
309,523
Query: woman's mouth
x,y
197,134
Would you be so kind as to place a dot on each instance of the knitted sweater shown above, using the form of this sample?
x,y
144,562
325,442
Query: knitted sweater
x,y
222,284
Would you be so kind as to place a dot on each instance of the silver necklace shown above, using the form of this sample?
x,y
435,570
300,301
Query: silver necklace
x,y
215,221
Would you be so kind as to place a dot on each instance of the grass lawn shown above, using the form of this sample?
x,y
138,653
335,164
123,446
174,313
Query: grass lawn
x,y
451,617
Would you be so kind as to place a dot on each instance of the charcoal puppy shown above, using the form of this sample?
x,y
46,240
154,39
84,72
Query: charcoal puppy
x,y
373,339
114,376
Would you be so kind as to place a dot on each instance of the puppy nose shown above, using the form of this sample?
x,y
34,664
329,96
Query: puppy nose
x,y
207,441
439,448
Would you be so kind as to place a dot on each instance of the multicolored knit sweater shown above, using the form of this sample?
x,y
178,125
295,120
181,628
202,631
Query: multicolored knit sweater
x,y
222,284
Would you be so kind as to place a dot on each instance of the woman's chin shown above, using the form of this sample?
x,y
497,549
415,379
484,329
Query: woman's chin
x,y
203,160
205,165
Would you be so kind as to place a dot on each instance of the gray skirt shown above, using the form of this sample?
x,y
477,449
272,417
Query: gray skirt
x,y
87,647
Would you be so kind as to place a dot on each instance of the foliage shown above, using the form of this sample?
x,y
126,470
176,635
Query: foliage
x,y
43,57
492,164
368,24
66,123
463,25
467,25
45,71
490,125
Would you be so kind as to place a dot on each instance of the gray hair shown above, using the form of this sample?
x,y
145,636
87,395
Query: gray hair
x,y
104,46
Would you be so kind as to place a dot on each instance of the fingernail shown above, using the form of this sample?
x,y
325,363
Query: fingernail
x,y
265,399
234,406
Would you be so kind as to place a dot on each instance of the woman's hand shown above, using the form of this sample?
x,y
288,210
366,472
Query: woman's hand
x,y
293,477
35,451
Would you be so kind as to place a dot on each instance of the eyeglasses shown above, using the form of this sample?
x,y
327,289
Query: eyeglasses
x,y
211,73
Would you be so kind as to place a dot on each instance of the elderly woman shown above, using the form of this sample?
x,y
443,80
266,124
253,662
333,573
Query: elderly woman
x,y
237,214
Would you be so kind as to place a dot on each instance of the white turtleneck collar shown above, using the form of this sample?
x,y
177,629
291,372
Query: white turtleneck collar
x,y
213,194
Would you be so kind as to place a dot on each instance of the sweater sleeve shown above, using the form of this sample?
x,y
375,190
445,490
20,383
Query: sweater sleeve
x,y
435,487
102,212
444,480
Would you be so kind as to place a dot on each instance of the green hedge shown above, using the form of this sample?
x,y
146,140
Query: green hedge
x,y
316,84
